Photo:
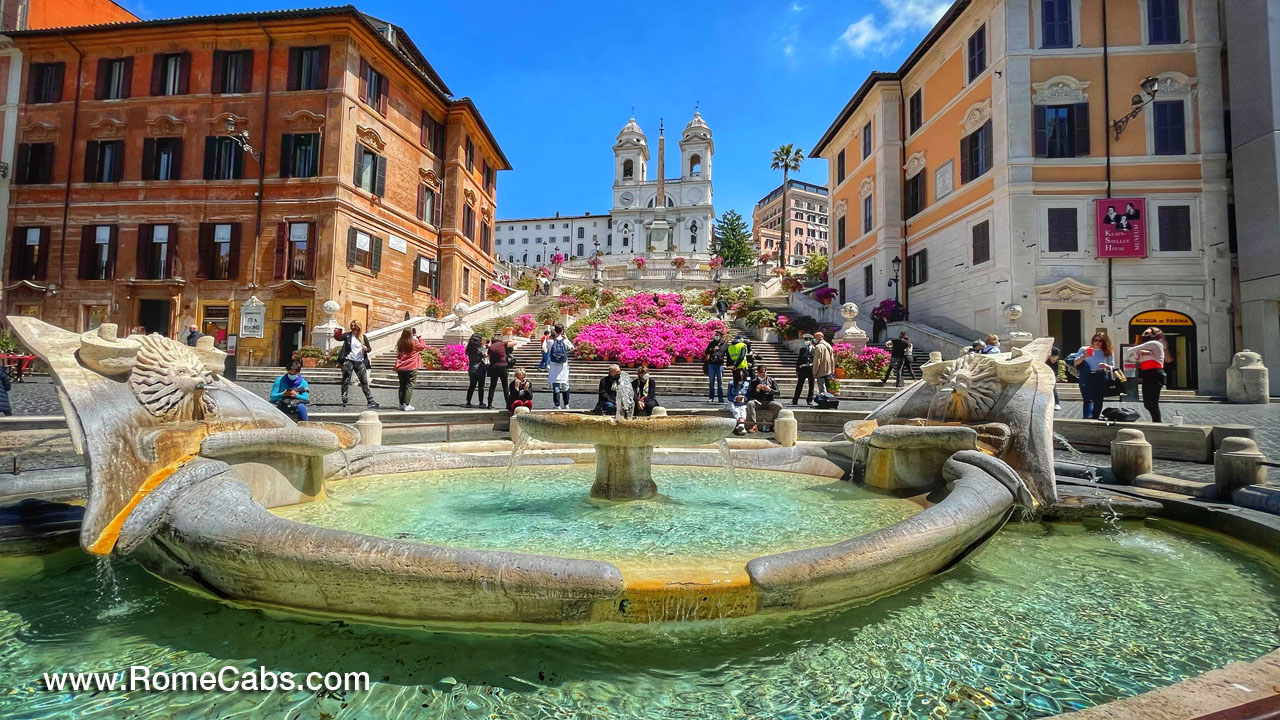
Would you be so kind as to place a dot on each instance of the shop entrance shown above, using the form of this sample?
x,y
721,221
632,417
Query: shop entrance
x,y
1180,334
293,327
1064,328
154,315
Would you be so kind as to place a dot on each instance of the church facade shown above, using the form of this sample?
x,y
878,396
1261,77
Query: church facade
x,y
687,198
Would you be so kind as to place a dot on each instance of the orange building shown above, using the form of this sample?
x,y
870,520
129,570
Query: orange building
x,y
169,171
984,164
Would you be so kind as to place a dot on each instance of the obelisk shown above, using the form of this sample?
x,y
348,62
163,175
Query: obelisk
x,y
659,228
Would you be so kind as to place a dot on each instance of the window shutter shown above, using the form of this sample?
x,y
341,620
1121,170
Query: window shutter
x,y
1042,132
118,167
355,177
966,160
219,67
111,251
33,94
422,130
282,241
437,207
295,58
246,72
204,250
157,74
1081,112
437,138
351,246
286,155
233,257
15,255
380,184
24,161
141,254
100,84
364,81
42,264
237,161
311,251
210,156
87,236
148,158
422,200
128,78
322,77
382,94
171,258
377,254
184,72
175,166
91,161
924,266
988,147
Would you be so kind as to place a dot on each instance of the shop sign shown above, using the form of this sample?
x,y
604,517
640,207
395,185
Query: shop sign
x,y
1121,227
1162,317
253,318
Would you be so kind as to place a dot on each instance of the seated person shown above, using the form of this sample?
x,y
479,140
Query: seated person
x,y
738,390
607,397
520,391
762,396
645,391
290,392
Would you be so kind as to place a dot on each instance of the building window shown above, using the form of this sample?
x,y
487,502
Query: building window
x,y
1175,228
868,280
98,252
1168,121
308,68
219,246
693,236
866,141
975,153
162,158
1063,233
170,73
30,256
981,236
35,164
488,175
104,161
628,169
868,221
840,236
486,237
155,251
839,167
299,248
300,155
44,85
364,250
469,222
977,53
422,274
915,194
223,158
915,111
232,71
471,156
1163,24
918,268
373,87
115,76
1055,23
370,171
429,205
1062,131
466,281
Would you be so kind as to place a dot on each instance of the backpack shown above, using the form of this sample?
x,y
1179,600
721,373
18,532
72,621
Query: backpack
x,y
823,401
1120,414
558,354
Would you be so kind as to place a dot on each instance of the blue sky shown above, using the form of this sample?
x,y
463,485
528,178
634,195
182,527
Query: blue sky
x,y
556,81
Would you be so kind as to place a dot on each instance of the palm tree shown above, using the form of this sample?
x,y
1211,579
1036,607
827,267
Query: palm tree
x,y
787,159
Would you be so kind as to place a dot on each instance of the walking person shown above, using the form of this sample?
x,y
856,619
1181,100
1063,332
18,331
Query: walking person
x,y
646,393
545,359
762,397
520,391
722,308
1151,356
908,359
897,358
804,370
477,368
498,366
1095,363
290,392
557,348
408,362
824,361
353,357
714,357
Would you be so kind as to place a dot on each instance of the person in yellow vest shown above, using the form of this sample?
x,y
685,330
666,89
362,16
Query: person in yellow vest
x,y
737,353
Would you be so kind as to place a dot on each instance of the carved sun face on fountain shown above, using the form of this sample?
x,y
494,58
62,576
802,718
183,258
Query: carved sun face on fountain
x,y
169,380
970,386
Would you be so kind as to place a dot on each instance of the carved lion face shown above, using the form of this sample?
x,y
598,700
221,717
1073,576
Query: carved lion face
x,y
970,387
169,380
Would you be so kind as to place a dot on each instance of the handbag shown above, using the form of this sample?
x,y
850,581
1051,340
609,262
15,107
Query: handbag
x,y
1115,384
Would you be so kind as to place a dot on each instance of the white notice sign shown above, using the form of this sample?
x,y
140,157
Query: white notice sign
x,y
253,317
398,244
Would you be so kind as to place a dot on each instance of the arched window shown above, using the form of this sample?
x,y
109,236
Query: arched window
x,y
538,258
580,250
628,169
693,235
524,259
582,232
695,165
511,259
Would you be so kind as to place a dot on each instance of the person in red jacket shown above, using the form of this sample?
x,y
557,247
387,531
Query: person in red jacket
x,y
408,362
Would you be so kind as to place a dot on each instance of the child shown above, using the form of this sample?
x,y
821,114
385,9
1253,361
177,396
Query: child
x,y
738,400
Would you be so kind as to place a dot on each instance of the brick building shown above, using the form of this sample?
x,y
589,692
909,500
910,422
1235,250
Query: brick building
x,y
807,224
168,171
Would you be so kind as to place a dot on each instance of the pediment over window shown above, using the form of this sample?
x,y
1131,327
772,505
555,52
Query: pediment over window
x,y
39,132
304,121
1175,84
1066,290
370,137
429,177
869,184
914,165
218,125
1060,90
107,129
165,126
977,114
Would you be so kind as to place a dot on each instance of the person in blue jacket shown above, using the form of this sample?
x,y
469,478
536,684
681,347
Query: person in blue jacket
x,y
291,393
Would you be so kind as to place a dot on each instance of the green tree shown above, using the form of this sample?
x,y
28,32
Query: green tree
x,y
733,240
788,159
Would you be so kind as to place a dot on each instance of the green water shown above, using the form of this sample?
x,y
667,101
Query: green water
x,y
1045,619
700,513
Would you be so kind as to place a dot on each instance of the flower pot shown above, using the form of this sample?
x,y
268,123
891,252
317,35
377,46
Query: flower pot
x,y
826,301
840,373
309,362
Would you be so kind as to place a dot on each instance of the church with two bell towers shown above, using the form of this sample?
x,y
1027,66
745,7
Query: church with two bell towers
x,y
662,214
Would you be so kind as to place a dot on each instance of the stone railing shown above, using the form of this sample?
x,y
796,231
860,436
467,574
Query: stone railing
x,y
664,277
930,339
824,314
384,339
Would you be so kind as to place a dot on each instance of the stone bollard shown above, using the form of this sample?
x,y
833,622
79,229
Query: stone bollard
x,y
1237,464
1130,455
1248,380
786,429
658,412
514,423
1222,432
370,428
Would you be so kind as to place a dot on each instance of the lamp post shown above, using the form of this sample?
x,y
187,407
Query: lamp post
x,y
241,138
1150,86
597,277
895,282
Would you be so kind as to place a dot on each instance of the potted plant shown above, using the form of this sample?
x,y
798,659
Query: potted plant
x,y
761,318
716,263
640,262
825,295
430,359
308,355
435,309
494,294
791,284
833,387
679,263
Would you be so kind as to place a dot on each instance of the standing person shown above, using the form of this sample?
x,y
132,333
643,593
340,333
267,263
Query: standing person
x,y
520,392
897,358
498,365
992,345
193,334
291,393
804,370
408,362
5,386
1054,361
908,360
1095,363
1150,356
824,360
546,334
646,392
607,394
736,353
557,348
739,388
714,357
762,396
722,307
476,368
353,357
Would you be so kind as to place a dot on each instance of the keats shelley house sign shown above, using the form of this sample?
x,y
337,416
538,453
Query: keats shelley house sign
x,y
1122,227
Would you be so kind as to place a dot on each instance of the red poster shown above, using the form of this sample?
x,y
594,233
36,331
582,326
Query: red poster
x,y
1122,227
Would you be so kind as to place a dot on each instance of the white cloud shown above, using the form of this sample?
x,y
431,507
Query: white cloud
x,y
875,34
797,7
867,35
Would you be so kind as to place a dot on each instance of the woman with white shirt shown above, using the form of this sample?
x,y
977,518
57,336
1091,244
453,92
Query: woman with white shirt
x,y
557,348
1150,356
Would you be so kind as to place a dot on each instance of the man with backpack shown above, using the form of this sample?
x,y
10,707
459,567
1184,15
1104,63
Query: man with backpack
x,y
556,347
713,356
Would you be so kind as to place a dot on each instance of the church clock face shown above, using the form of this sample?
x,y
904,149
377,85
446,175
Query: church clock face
x,y
694,195
626,199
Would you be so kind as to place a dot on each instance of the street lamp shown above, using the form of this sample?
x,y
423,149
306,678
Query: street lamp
x,y
241,138
895,282
597,277
1150,86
